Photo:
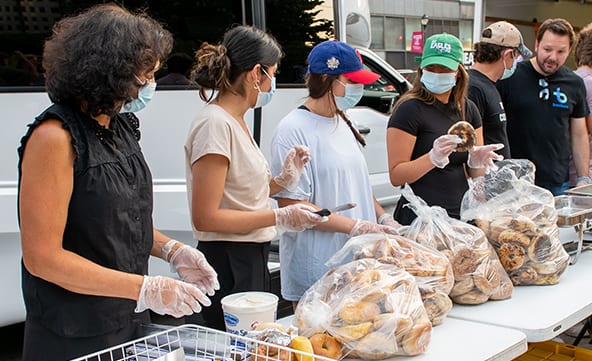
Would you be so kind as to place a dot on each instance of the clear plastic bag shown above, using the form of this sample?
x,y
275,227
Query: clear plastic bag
x,y
373,310
520,221
431,269
478,274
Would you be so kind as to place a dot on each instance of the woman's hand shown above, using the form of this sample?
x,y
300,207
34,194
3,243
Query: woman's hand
x,y
167,296
443,146
294,163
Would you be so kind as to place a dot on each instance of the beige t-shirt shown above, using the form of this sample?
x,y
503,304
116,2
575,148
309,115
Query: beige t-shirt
x,y
246,188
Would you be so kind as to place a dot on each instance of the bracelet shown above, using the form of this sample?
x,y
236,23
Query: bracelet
x,y
164,253
383,217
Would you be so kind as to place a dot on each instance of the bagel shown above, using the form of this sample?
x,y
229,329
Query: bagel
x,y
512,256
376,346
437,307
417,339
488,281
483,224
522,224
357,312
504,290
523,276
510,235
462,285
271,353
545,268
350,333
466,132
474,297
547,279
326,345
464,262
541,248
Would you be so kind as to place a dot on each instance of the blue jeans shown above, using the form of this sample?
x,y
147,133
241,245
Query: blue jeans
x,y
557,190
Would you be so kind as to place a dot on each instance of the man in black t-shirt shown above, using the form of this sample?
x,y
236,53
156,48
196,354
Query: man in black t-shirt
x,y
545,105
495,58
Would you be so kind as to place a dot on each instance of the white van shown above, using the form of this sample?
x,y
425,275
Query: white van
x,y
164,125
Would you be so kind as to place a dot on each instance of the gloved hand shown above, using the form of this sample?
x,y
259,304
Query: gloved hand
x,y
295,160
388,220
193,268
443,146
296,217
583,180
165,295
363,227
484,155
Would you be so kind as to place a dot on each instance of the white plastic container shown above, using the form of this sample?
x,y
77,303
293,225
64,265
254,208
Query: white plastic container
x,y
243,311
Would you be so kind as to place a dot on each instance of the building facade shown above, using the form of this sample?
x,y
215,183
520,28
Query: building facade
x,y
395,22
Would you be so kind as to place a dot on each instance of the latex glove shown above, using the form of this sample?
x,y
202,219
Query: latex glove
x,y
443,146
484,155
583,180
363,227
193,268
295,160
388,220
167,296
296,217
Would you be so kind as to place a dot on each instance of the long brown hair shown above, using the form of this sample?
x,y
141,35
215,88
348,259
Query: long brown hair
x,y
321,84
458,95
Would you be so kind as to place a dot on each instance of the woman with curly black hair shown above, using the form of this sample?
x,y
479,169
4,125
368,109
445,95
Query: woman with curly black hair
x,y
85,194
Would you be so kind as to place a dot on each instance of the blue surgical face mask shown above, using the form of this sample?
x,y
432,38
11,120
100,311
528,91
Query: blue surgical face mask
x,y
508,72
353,94
263,98
438,83
145,94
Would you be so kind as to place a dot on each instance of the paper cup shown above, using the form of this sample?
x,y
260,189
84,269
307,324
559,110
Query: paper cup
x,y
243,311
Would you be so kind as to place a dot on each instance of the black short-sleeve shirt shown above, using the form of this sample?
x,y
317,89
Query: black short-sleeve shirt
x,y
539,109
443,187
484,94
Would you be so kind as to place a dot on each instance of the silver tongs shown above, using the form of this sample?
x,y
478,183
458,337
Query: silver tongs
x,y
327,211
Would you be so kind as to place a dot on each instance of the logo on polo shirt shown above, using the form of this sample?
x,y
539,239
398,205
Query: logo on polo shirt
x,y
441,46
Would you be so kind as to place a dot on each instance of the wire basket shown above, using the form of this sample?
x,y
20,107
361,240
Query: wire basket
x,y
198,343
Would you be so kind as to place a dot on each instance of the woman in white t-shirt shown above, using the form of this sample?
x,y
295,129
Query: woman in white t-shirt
x,y
228,179
337,172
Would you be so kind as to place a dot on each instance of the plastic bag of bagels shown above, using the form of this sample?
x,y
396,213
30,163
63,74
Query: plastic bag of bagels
x,y
520,221
478,273
431,269
371,309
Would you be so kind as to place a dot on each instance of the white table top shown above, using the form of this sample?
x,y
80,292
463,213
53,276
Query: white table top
x,y
461,340
540,312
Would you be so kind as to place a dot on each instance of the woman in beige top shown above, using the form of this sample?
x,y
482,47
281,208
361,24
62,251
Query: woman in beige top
x,y
229,181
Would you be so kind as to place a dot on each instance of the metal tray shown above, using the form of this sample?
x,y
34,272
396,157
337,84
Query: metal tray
x,y
573,209
580,191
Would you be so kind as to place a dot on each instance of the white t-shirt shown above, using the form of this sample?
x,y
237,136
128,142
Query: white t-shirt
x,y
337,173
246,187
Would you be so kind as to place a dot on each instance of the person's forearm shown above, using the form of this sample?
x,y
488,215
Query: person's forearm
x,y
411,171
78,274
581,154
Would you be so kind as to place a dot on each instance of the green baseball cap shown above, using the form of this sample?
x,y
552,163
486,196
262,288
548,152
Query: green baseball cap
x,y
442,49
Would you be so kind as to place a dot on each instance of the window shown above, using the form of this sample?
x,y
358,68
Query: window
x,y
377,28
394,31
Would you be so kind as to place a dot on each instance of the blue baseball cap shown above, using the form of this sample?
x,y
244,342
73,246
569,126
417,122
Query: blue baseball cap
x,y
338,58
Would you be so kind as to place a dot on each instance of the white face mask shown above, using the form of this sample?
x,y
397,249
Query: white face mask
x,y
508,72
145,94
263,98
438,83
353,94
